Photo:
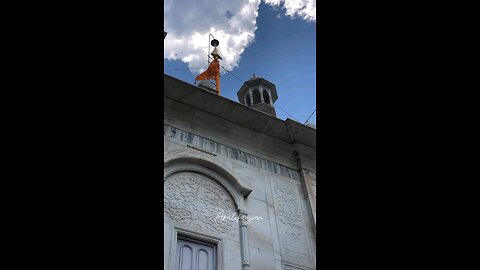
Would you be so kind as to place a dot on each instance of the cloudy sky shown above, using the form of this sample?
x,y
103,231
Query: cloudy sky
x,y
275,39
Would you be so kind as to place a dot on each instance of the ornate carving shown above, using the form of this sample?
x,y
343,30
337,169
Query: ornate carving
x,y
289,212
196,201
291,267
213,147
291,223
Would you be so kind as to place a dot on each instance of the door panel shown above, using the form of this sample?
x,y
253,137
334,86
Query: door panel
x,y
194,256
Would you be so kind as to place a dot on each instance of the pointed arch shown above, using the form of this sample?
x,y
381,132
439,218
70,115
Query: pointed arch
x,y
266,96
256,96
189,161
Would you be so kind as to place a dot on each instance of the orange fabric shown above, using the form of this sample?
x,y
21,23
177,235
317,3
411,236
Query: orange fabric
x,y
211,72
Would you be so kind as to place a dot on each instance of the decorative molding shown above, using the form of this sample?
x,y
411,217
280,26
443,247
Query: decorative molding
x,y
201,150
212,147
186,159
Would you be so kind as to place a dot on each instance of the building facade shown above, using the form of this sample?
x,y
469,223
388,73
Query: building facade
x,y
239,183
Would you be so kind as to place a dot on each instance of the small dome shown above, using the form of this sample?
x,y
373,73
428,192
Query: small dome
x,y
259,94
253,77
216,52
256,81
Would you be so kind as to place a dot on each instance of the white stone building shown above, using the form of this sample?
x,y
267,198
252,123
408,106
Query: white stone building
x,y
239,183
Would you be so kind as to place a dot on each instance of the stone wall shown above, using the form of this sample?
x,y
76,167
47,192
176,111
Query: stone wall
x,y
212,165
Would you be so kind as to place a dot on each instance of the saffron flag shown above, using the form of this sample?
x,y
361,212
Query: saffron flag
x,y
211,72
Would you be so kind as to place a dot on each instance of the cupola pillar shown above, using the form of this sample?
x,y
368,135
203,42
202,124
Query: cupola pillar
x,y
258,94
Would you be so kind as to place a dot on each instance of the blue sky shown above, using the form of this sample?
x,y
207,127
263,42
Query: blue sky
x,y
283,51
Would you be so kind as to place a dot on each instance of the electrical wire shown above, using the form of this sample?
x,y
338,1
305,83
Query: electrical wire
x,y
286,113
273,104
242,81
310,116
175,69
232,73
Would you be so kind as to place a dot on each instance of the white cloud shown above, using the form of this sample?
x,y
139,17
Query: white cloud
x,y
305,9
232,22
188,24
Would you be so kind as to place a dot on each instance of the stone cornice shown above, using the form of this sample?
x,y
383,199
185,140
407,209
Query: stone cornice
x,y
215,148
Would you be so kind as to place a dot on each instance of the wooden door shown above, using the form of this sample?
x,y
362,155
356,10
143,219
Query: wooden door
x,y
193,255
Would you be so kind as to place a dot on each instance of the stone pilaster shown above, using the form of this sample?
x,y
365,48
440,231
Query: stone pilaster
x,y
244,241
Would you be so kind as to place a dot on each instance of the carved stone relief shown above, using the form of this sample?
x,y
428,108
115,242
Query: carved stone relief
x,y
197,201
216,148
288,210
291,229
291,267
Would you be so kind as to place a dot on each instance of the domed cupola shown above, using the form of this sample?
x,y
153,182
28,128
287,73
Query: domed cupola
x,y
259,94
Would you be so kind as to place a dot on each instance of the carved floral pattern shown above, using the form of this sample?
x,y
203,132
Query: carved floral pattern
x,y
289,215
196,201
289,211
291,267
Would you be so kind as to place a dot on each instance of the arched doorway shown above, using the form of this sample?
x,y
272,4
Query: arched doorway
x,y
202,203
